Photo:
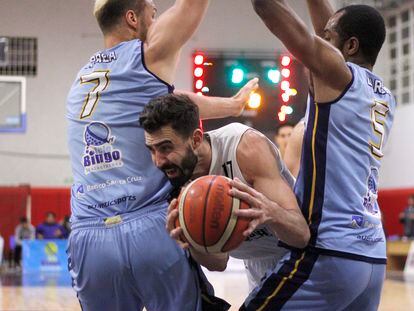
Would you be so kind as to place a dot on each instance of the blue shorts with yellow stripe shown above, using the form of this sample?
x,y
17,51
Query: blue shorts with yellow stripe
x,y
308,280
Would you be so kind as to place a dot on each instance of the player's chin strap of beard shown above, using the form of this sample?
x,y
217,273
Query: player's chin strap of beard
x,y
208,300
174,194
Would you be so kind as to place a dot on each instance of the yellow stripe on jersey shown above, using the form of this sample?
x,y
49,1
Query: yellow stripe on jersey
x,y
311,204
282,283
312,198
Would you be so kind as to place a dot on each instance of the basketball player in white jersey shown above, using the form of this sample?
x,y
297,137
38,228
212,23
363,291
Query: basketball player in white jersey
x,y
182,152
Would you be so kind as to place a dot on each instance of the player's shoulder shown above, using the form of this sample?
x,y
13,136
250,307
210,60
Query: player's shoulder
x,y
102,58
256,155
252,144
230,130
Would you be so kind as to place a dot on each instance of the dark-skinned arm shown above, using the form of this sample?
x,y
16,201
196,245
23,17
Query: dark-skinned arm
x,y
320,57
320,12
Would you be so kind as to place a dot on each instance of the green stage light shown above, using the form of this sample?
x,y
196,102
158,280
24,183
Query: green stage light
x,y
273,75
237,75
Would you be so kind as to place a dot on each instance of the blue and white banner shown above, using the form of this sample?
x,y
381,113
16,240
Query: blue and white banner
x,y
44,255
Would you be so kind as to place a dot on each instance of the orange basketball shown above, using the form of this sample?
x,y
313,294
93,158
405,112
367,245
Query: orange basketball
x,y
206,215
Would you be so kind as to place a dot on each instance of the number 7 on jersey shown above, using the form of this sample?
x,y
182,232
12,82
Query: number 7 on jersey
x,y
101,81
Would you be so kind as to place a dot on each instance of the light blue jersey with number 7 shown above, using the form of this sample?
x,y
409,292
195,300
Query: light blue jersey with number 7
x,y
113,171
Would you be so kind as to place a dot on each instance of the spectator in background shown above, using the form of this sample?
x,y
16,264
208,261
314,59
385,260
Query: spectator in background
x,y
66,226
282,136
50,229
24,231
407,218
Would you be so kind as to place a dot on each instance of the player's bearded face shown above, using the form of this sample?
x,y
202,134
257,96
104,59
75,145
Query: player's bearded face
x,y
180,173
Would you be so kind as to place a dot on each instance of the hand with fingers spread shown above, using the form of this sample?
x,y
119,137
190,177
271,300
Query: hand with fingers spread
x,y
243,95
286,222
261,209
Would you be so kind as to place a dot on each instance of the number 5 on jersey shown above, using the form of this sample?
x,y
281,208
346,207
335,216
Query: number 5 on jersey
x,y
379,112
101,80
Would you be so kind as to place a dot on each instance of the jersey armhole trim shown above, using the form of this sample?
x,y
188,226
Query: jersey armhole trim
x,y
170,87
343,92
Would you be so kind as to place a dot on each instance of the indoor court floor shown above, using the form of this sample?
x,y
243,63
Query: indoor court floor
x,y
55,294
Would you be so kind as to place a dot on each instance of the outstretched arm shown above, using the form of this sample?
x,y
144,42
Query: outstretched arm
x,y
222,107
320,12
320,57
169,33
271,199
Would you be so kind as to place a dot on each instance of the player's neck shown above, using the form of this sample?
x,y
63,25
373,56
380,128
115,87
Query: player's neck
x,y
113,39
360,62
204,159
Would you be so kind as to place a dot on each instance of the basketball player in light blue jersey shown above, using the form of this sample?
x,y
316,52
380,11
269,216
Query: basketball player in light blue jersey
x,y
120,256
349,120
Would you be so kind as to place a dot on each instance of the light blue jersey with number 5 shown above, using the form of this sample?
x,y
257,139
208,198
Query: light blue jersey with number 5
x,y
113,171
338,182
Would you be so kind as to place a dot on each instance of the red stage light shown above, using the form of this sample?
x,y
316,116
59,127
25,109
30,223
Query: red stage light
x,y
198,72
199,84
285,85
198,59
286,61
285,72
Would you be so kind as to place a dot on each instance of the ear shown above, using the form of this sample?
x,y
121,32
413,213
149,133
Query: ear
x,y
351,46
131,19
197,138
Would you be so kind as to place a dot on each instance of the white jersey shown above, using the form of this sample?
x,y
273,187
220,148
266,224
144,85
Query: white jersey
x,y
261,246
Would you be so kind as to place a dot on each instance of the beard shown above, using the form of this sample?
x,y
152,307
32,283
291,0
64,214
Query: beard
x,y
142,30
184,170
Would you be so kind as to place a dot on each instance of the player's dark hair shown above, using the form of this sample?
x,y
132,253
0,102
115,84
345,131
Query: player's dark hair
x,y
111,12
367,25
280,126
23,220
179,111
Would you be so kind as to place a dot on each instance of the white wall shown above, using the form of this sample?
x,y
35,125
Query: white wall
x,y
68,35
63,30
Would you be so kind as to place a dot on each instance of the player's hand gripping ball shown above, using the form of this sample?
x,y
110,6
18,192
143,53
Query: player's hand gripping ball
x,y
206,215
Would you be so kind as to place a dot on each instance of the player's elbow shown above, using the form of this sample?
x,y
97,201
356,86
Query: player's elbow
x,y
259,6
305,237
217,266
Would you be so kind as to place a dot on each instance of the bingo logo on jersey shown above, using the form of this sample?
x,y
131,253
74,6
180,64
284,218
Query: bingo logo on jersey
x,y
100,155
370,198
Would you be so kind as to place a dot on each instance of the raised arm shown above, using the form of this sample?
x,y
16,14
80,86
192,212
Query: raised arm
x,y
272,200
222,107
320,11
320,57
169,33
